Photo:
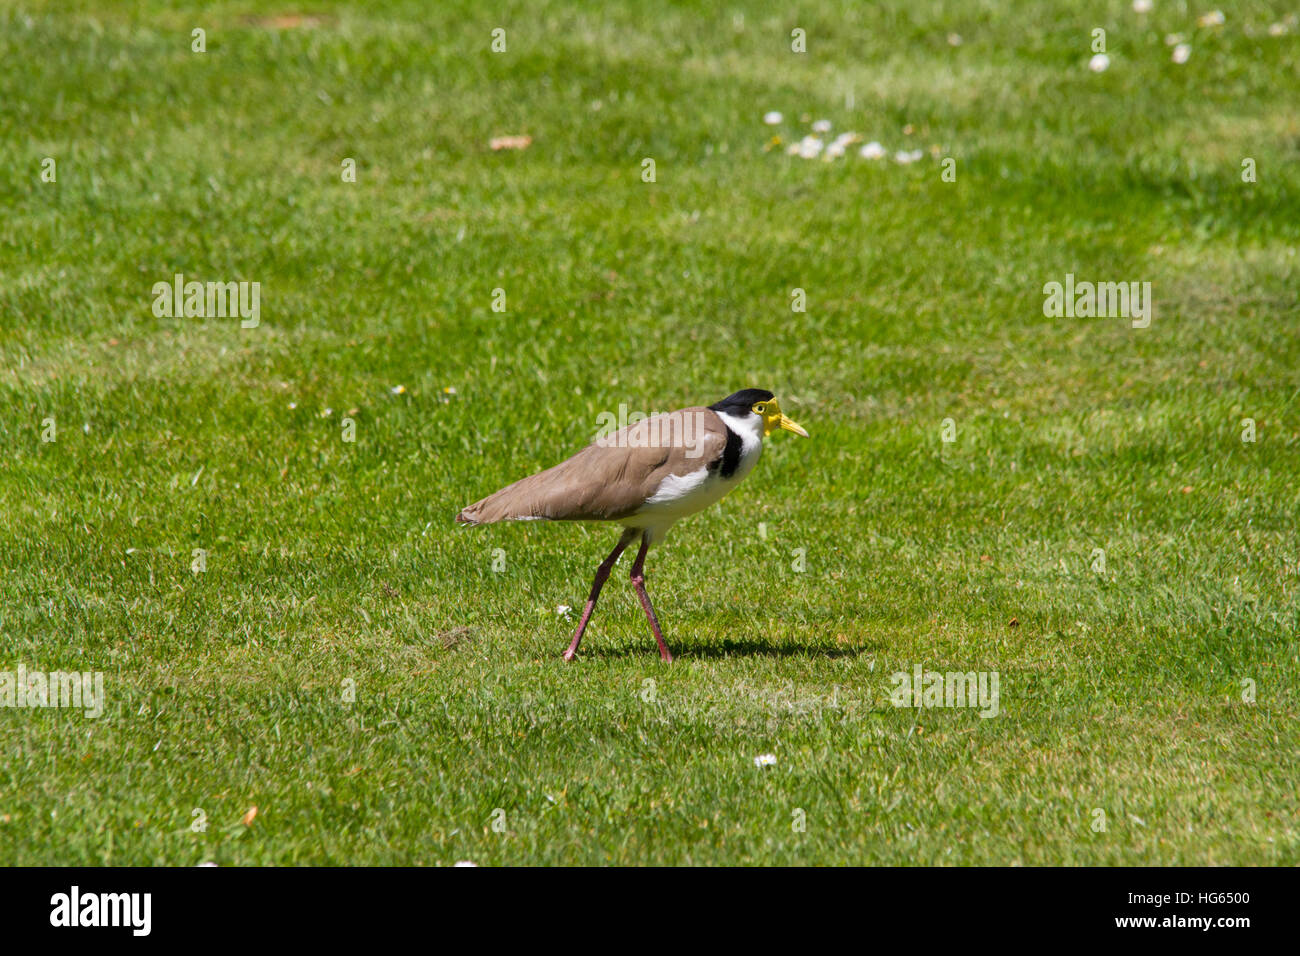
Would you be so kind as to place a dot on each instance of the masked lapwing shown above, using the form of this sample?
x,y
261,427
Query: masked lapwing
x,y
645,477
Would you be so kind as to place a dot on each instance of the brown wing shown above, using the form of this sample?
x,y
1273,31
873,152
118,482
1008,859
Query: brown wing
x,y
611,478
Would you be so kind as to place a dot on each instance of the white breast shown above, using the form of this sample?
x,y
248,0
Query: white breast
x,y
680,495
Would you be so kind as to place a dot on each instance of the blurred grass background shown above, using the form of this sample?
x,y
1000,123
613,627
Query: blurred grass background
x,y
332,562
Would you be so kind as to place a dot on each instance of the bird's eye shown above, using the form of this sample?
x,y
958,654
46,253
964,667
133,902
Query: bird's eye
x,y
760,409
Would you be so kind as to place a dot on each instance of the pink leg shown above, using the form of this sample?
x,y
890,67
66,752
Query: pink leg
x,y
638,582
602,573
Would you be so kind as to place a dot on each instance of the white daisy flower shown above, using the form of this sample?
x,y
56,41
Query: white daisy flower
x,y
1099,63
1182,52
810,147
1212,19
772,118
398,390
765,760
904,156
872,150
1142,6
822,126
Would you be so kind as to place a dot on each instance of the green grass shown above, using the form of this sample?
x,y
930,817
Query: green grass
x,y
332,562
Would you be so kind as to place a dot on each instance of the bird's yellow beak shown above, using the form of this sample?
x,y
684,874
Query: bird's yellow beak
x,y
792,426
774,420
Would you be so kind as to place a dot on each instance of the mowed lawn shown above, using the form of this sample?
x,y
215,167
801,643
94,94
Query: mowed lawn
x,y
385,687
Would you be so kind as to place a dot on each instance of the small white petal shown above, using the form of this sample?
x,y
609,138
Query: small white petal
x,y
810,147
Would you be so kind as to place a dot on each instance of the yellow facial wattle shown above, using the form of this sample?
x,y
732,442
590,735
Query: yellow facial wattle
x,y
773,420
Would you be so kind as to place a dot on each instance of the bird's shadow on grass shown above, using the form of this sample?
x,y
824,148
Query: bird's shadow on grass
x,y
727,647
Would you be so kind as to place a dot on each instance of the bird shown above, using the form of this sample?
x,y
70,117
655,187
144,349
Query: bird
x,y
646,476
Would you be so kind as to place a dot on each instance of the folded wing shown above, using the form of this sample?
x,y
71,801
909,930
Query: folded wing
x,y
613,477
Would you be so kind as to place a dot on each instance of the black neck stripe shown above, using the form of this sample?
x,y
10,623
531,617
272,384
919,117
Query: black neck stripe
x,y
729,460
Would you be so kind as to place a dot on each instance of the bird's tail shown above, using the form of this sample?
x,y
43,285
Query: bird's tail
x,y
517,502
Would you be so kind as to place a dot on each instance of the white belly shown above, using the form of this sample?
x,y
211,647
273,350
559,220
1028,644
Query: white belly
x,y
680,495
